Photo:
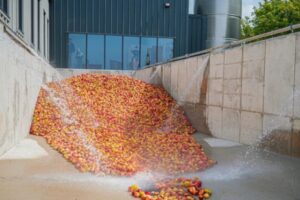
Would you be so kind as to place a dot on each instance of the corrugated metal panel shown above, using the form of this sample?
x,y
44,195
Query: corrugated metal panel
x,y
96,16
83,22
125,17
177,29
57,35
195,33
184,21
172,22
52,41
131,13
108,13
71,11
144,16
138,17
102,15
77,15
64,29
154,19
114,16
90,17
118,17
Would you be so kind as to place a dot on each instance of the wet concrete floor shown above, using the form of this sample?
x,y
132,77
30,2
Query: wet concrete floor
x,y
33,171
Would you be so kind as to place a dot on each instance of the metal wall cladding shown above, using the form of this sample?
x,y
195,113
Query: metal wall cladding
x,y
196,33
149,18
222,20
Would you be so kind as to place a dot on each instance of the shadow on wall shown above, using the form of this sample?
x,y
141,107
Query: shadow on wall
x,y
282,141
197,112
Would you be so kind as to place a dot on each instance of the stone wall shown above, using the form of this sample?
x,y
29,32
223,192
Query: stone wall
x,y
21,75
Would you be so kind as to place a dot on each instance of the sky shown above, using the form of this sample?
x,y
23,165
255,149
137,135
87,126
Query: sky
x,y
248,6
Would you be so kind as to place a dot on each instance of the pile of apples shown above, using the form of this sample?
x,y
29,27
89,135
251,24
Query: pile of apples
x,y
108,124
173,189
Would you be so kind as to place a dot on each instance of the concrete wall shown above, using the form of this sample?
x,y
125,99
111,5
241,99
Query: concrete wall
x,y
260,96
21,76
245,94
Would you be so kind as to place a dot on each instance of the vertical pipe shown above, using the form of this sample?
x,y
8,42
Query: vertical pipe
x,y
222,20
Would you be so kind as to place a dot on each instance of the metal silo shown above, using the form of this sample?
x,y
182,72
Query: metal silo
x,y
221,20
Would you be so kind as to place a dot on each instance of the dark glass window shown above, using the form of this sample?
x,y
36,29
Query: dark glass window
x,y
4,6
77,51
149,51
32,21
165,49
131,53
39,24
48,38
44,28
113,52
95,52
20,17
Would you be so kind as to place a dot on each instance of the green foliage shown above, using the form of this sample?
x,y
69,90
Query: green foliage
x,y
246,29
271,15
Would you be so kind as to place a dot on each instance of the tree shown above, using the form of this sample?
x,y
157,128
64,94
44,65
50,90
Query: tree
x,y
271,15
246,29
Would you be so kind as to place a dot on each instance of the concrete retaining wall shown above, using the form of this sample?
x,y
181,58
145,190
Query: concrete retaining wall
x,y
21,76
245,94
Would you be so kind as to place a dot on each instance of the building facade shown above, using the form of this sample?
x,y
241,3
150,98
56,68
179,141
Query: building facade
x,y
120,34
29,21
117,34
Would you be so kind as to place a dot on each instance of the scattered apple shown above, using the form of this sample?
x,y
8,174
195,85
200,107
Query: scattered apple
x,y
206,196
209,191
193,190
136,194
175,189
133,188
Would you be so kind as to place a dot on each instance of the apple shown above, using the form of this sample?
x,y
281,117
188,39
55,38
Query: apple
x,y
136,194
193,190
206,196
